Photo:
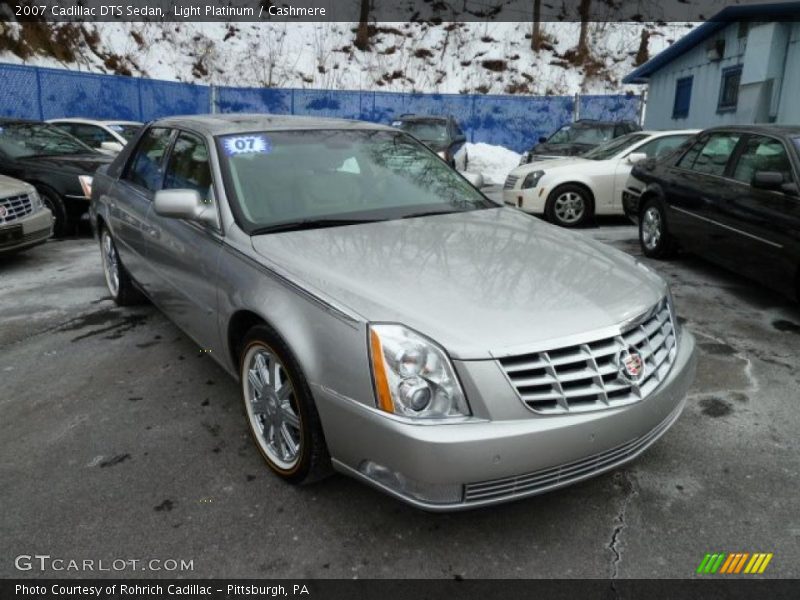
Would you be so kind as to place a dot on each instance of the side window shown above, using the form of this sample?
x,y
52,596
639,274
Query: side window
x,y
762,154
714,156
661,146
91,135
188,166
687,160
146,167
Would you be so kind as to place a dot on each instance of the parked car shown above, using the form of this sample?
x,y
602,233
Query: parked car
x,y
108,137
569,191
58,165
731,196
577,138
384,317
441,134
24,220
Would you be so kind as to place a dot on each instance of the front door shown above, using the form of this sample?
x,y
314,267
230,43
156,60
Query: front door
x,y
185,253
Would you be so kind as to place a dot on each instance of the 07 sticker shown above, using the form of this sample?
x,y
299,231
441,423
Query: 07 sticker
x,y
247,144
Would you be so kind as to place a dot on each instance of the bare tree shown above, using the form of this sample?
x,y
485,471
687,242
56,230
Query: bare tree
x,y
584,10
536,32
362,33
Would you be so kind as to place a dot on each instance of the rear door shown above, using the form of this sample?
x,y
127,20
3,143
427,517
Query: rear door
x,y
185,253
695,185
131,200
763,225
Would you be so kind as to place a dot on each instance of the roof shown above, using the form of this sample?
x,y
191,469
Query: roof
x,y
94,121
412,117
223,124
740,12
790,130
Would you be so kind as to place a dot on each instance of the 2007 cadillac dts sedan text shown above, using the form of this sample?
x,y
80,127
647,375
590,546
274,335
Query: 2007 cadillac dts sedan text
x,y
383,316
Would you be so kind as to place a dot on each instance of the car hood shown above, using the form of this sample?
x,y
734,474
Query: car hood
x,y
546,149
12,187
549,164
79,164
481,283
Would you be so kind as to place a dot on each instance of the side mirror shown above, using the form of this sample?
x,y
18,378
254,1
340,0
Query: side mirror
x,y
475,179
542,139
767,180
184,204
636,157
112,147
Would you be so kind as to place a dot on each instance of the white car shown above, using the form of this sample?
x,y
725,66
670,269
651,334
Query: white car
x,y
108,137
570,190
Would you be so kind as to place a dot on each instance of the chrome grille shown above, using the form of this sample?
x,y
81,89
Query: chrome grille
x,y
15,207
588,376
511,181
541,481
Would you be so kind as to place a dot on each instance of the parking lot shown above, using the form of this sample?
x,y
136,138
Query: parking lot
x,y
119,438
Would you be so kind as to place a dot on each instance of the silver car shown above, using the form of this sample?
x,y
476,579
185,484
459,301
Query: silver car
x,y
24,220
386,319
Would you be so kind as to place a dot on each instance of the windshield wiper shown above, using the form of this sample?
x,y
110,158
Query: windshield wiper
x,y
432,213
309,224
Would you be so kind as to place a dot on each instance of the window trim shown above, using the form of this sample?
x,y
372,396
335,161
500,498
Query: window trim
x,y
688,80
724,76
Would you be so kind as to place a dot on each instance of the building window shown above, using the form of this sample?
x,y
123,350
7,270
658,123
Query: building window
x,y
729,89
683,96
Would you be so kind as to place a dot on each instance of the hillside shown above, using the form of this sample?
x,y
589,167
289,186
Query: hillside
x,y
491,58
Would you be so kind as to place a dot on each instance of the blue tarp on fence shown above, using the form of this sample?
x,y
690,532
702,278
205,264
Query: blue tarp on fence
x,y
511,121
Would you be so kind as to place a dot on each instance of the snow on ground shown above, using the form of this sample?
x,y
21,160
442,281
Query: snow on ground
x,y
493,162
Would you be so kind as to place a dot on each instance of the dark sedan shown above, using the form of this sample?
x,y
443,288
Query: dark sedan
x,y
578,138
58,165
441,134
731,194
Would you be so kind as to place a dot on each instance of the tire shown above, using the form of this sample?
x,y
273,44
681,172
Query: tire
x,y
284,423
118,281
61,222
569,206
654,236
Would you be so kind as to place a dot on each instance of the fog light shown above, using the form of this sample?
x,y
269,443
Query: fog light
x,y
434,493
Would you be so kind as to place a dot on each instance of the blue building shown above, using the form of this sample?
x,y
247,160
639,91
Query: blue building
x,y
740,67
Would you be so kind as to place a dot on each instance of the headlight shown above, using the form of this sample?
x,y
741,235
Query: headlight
x,y
86,184
36,200
532,180
675,323
413,376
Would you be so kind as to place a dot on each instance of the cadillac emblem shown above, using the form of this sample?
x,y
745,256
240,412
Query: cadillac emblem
x,y
3,212
631,365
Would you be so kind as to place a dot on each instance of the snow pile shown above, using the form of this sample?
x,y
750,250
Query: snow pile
x,y
493,162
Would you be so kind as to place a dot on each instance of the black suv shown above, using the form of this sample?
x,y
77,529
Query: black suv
x,y
58,165
730,194
577,138
440,134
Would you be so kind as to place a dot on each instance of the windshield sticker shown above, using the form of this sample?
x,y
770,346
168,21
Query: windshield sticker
x,y
247,144
396,123
116,127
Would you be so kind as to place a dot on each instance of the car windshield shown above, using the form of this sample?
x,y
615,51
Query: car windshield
x,y
614,147
281,178
429,131
126,130
23,140
582,134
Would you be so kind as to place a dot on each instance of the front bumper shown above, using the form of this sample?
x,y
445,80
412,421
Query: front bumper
x,y
481,462
531,200
36,229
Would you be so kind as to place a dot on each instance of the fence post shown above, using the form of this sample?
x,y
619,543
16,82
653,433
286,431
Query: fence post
x,y
212,99
292,96
472,120
642,101
576,110
39,94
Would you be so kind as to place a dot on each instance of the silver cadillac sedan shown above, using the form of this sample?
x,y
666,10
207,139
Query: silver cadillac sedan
x,y
383,317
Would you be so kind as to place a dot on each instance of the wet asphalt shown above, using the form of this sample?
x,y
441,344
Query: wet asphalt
x,y
121,440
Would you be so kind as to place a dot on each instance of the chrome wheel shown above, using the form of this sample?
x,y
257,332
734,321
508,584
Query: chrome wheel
x,y
651,228
110,263
569,207
272,407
